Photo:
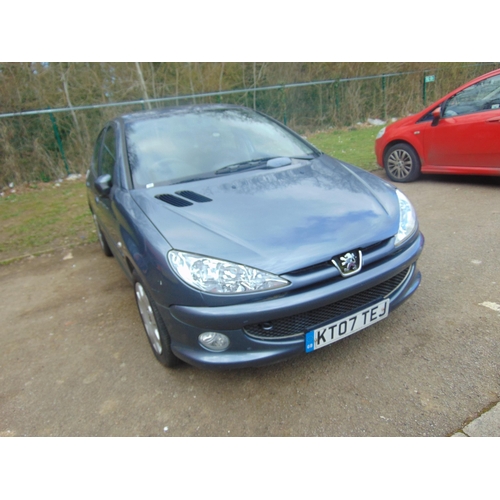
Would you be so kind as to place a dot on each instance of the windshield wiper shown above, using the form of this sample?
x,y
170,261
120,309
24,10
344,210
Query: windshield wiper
x,y
234,167
244,165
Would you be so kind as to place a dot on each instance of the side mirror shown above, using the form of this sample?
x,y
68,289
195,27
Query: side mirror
x,y
103,184
436,116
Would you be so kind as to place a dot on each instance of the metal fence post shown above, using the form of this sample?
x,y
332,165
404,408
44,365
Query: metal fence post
x,y
424,97
59,141
283,99
427,79
384,102
320,98
337,98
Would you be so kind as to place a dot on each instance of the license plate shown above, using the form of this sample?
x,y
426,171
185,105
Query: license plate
x,y
320,337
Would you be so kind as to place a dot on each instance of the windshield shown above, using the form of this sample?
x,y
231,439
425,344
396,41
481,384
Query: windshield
x,y
198,143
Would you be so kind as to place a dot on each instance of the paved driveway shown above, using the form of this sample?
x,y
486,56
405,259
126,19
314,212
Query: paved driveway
x,y
74,360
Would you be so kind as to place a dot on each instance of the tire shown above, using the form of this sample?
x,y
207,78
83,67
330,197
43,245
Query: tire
x,y
402,163
155,329
102,239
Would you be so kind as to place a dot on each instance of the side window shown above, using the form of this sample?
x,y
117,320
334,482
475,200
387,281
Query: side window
x,y
95,156
481,96
108,155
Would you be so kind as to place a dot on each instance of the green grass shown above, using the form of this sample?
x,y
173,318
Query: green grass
x,y
33,220
43,217
355,145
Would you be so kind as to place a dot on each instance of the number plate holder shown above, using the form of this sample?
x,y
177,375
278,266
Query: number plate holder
x,y
330,333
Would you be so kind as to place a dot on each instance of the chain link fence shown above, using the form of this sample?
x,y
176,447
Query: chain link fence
x,y
48,144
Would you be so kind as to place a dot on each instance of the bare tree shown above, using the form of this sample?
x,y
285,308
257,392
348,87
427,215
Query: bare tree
x,y
64,80
143,85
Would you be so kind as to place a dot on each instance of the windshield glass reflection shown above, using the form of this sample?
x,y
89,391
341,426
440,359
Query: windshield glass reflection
x,y
198,142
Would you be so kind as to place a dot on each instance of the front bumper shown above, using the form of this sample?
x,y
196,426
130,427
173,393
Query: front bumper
x,y
379,152
186,323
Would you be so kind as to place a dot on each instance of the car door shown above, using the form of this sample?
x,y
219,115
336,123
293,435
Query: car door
x,y
468,132
104,202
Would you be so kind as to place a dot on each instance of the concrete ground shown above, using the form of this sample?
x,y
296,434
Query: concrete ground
x,y
486,425
75,361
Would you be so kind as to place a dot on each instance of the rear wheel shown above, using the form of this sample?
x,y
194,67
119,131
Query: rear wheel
x,y
158,337
401,163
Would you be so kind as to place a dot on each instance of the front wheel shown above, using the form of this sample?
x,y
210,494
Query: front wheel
x,y
158,337
402,163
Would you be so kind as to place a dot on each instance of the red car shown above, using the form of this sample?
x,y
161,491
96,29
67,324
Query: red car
x,y
458,134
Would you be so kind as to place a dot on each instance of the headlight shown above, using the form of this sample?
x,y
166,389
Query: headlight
x,y
381,132
219,276
407,219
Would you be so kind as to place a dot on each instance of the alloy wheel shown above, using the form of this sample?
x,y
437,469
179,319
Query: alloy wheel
x,y
148,317
400,164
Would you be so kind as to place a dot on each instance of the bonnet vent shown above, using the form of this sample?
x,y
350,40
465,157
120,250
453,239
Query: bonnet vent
x,y
177,201
193,196
174,200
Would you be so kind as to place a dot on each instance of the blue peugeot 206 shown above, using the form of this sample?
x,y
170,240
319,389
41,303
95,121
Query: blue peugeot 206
x,y
245,244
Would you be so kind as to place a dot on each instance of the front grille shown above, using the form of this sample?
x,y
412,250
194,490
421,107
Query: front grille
x,y
304,322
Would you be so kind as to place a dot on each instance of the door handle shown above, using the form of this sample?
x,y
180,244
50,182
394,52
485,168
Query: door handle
x,y
494,119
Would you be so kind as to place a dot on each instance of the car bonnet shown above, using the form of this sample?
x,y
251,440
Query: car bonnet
x,y
278,220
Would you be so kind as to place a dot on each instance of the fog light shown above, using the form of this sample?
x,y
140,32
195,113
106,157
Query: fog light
x,y
214,341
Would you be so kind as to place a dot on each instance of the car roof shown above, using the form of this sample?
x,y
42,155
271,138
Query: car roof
x,y
176,110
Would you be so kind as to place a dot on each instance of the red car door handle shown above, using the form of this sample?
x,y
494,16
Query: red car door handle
x,y
495,119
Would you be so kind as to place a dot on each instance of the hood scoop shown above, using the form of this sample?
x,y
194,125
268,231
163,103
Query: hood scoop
x,y
177,201
191,195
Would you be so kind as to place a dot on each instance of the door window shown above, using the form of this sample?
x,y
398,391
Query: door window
x,y
108,155
482,96
95,156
